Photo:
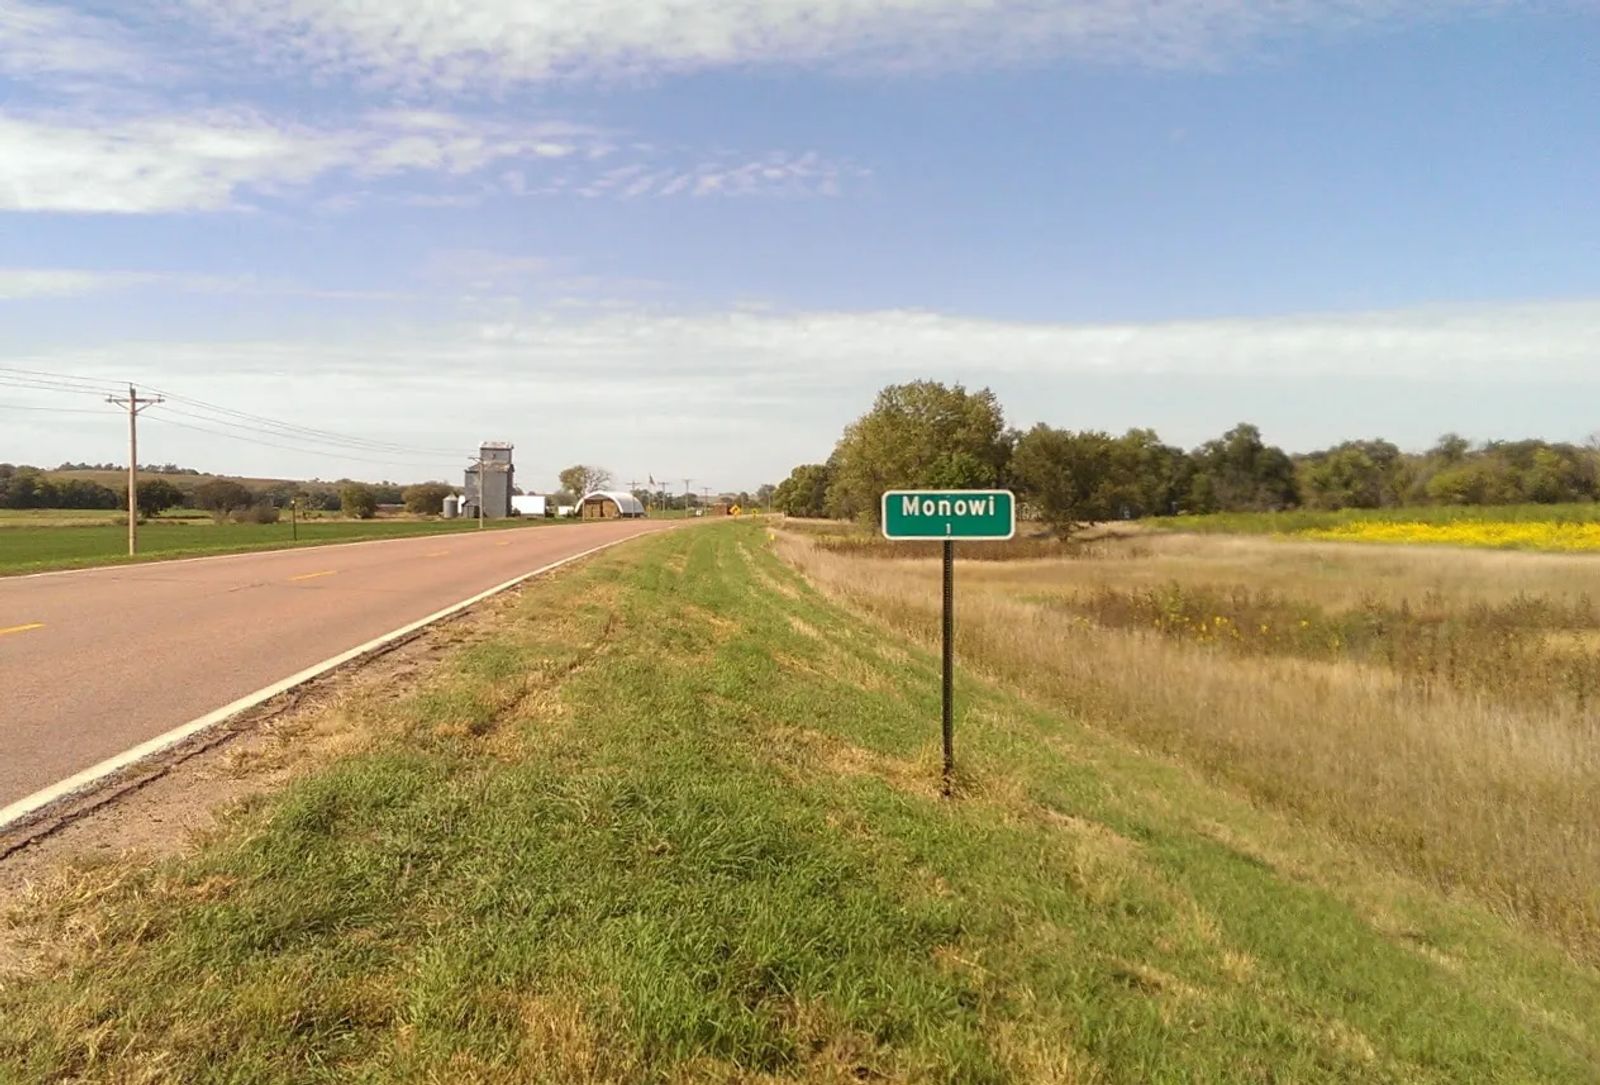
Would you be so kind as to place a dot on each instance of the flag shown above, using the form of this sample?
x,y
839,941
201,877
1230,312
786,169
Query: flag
x,y
652,479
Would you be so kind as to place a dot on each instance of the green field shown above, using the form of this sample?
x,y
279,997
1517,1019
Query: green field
x,y
678,819
31,549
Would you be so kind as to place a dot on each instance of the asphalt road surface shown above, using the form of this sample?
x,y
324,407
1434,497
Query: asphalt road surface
x,y
95,661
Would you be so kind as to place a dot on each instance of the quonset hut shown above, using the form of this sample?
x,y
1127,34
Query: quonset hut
x,y
610,505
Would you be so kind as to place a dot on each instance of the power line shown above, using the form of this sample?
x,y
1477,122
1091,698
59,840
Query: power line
x,y
52,410
289,448
88,383
38,384
284,433
291,429
333,444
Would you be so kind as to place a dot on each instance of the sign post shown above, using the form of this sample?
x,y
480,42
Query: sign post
x,y
948,515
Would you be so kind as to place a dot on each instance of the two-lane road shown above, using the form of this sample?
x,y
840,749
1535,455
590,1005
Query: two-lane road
x,y
96,661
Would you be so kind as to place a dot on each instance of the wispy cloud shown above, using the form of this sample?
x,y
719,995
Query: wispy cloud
x,y
18,284
51,162
1550,340
456,44
31,284
53,42
775,173
773,352
222,159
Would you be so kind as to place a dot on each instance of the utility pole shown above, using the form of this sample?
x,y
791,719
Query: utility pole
x,y
135,403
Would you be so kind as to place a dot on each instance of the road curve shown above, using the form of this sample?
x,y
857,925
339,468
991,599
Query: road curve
x,y
95,661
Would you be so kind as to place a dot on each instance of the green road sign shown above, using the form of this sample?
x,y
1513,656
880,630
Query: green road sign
x,y
949,514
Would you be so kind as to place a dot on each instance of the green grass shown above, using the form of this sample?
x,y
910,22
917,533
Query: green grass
x,y
1298,520
15,518
34,549
678,820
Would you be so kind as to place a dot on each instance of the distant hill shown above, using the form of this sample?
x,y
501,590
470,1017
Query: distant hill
x,y
116,479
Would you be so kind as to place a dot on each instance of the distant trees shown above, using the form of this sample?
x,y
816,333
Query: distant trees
x,y
27,487
1354,475
1069,478
1239,471
919,434
358,500
426,498
804,492
222,497
930,435
80,493
323,498
581,479
153,497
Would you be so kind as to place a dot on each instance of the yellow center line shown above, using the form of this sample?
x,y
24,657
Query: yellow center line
x,y
313,576
21,628
437,554
503,542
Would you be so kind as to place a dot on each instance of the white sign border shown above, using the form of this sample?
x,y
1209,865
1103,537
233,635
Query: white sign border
x,y
883,518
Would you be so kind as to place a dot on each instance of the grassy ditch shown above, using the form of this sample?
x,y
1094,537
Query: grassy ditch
x,y
32,549
678,820
1437,710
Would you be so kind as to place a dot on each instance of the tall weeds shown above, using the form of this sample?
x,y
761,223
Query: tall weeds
x,y
1456,737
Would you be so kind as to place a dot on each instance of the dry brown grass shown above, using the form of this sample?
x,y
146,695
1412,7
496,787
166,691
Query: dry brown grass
x,y
1480,793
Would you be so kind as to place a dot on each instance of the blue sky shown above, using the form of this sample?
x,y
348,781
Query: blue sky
x,y
693,238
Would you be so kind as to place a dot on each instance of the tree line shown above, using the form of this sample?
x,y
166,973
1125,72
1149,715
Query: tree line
x,y
926,434
26,487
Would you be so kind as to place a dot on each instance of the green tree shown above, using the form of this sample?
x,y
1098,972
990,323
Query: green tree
x,y
26,488
155,496
80,493
804,492
581,479
1353,475
922,434
222,497
1240,472
1149,478
1069,479
426,498
1452,448
358,500
1550,479
1482,480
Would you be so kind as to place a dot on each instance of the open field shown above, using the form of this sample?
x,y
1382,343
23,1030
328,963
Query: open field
x,y
1440,710
677,819
25,518
1517,527
67,546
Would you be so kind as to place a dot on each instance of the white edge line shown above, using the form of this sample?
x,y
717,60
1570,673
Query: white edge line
x,y
32,804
